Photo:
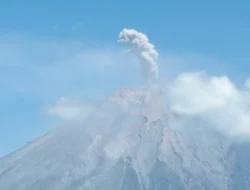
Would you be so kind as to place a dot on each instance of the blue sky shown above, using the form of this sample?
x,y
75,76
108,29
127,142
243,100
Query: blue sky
x,y
53,49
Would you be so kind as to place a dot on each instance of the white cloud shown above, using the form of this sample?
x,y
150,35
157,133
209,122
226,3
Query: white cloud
x,y
214,99
70,110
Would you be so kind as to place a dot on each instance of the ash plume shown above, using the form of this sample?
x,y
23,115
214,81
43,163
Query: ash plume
x,y
144,50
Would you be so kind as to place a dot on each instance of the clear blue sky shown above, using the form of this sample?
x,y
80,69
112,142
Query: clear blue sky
x,y
42,42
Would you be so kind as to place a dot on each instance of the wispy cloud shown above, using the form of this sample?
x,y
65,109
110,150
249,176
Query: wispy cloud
x,y
71,110
57,69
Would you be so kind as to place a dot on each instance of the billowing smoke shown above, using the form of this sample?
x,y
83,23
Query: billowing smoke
x,y
141,47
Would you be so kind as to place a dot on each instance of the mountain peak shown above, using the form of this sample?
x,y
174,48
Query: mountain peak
x,y
143,101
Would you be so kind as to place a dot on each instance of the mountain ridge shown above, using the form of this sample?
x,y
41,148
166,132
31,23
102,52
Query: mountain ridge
x,y
127,146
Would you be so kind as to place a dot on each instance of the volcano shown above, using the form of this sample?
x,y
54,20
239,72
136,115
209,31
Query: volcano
x,y
130,142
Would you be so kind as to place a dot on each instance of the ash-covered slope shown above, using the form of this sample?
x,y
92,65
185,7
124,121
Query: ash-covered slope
x,y
130,142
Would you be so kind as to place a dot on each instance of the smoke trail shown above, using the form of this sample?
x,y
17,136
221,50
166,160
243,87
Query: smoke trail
x,y
140,46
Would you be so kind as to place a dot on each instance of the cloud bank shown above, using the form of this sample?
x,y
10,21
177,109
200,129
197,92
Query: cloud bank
x,y
215,100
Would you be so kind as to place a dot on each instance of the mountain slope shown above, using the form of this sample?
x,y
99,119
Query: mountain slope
x,y
130,142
